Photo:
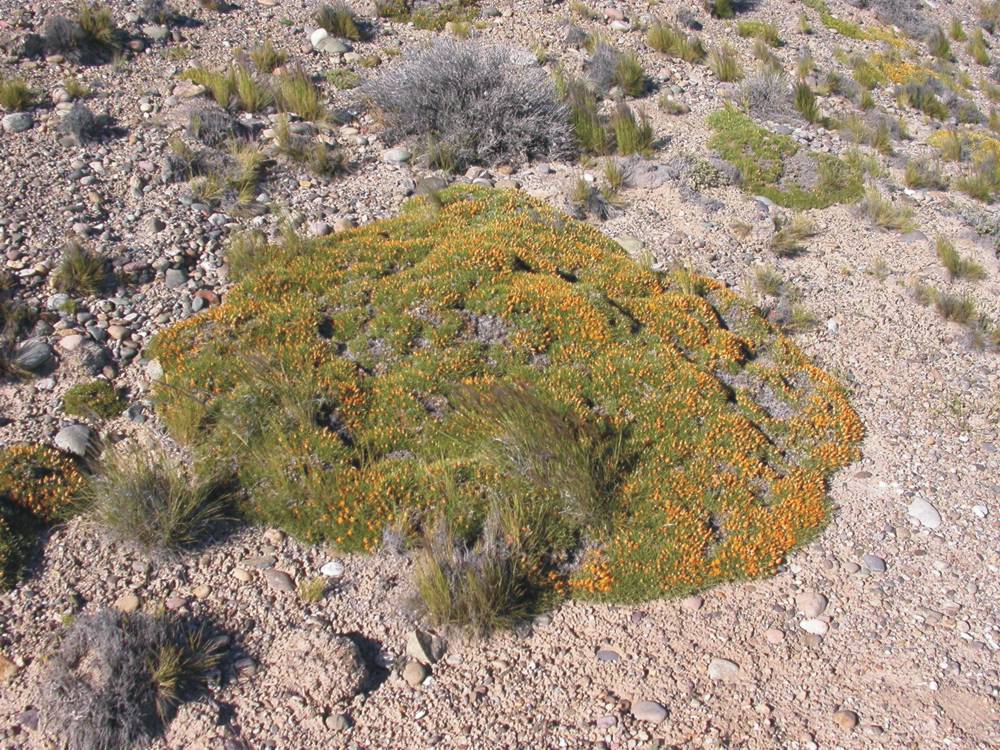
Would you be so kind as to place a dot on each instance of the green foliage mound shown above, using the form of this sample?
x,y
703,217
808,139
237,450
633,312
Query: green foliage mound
x,y
505,384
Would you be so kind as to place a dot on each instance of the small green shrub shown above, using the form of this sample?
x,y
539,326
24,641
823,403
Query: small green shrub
x,y
221,86
16,95
977,48
145,497
75,88
591,131
767,280
789,239
312,590
98,398
81,270
343,78
630,76
957,266
723,64
938,45
721,8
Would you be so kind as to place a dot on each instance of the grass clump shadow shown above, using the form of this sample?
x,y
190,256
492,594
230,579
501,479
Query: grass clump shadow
x,y
115,679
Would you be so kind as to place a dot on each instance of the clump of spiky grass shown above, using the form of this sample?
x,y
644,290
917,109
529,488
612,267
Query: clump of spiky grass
x,y
245,253
312,590
977,47
145,497
938,45
297,93
805,102
266,57
16,95
81,270
882,212
667,38
922,173
98,398
90,37
957,266
767,32
791,235
343,78
723,63
590,130
633,135
338,20
251,94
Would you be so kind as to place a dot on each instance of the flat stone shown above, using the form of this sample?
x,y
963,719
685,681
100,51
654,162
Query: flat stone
x,y
723,669
606,654
414,673
692,603
814,626
874,563
258,562
333,569
649,711
74,438
127,603
201,591
811,603
72,342
241,574
332,46
398,155
774,636
17,122
846,720
925,513
33,355
174,277
279,580
424,647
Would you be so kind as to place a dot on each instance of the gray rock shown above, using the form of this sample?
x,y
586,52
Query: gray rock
x,y
156,32
332,46
649,711
606,654
17,122
874,563
631,245
175,277
430,185
74,438
259,562
398,155
33,355
925,513
424,647
279,580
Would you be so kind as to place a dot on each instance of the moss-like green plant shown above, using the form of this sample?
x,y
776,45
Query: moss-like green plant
x,y
98,398
485,363
38,485
760,155
766,32
343,78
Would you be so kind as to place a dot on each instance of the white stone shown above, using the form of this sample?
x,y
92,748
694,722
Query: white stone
x,y
925,513
814,626
333,569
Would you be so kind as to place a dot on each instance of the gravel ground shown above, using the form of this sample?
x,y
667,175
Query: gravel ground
x,y
883,633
